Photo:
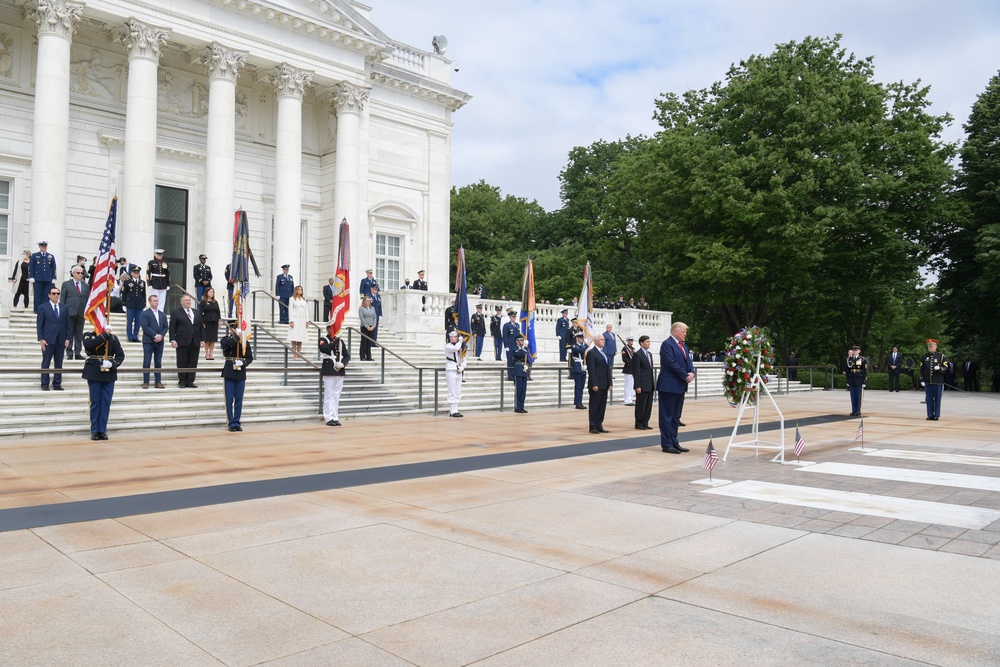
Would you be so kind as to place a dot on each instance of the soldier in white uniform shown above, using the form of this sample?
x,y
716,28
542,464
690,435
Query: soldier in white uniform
x,y
454,365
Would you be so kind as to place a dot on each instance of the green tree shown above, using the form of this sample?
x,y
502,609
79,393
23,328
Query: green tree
x,y
794,194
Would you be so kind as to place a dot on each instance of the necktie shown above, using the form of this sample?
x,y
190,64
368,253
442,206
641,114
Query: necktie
x,y
78,288
56,308
649,357
190,316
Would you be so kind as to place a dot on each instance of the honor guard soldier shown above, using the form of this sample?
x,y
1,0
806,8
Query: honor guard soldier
x,y
856,369
336,356
134,298
42,272
933,367
284,286
100,370
202,276
522,369
496,324
478,326
229,289
510,333
234,373
158,277
453,367
562,330
450,318
578,368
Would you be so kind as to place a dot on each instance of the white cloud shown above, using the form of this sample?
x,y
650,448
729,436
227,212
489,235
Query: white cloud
x,y
549,75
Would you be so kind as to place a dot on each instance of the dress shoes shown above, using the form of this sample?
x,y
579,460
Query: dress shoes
x,y
336,422
232,429
521,411
629,405
683,449
680,423
670,450
145,385
57,388
456,414
159,385
192,386
94,436
102,436
594,430
601,429
45,387
332,422
580,407
642,427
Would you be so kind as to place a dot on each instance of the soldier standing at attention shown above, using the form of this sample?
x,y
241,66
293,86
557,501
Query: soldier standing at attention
x,y
496,324
562,329
933,366
158,278
335,357
578,368
42,272
100,370
856,368
478,325
202,276
510,334
522,369
134,298
284,286
453,367
234,374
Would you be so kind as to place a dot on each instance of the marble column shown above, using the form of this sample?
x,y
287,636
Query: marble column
x,y
348,103
289,85
137,211
223,66
56,21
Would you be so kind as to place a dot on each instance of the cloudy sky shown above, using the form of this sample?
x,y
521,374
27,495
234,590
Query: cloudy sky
x,y
549,75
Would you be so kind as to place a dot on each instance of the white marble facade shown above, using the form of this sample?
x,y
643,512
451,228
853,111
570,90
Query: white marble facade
x,y
302,112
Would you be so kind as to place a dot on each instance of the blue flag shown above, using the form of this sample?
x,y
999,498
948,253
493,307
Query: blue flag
x,y
463,325
527,315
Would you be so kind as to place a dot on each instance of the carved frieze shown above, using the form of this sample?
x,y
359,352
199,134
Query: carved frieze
x,y
97,74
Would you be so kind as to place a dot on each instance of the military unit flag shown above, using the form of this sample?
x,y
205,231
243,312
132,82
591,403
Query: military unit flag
x,y
341,281
585,305
527,314
464,325
96,311
239,273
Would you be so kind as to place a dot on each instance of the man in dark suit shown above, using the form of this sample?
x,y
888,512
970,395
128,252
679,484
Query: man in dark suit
x,y
676,373
599,379
894,365
154,327
75,292
327,300
642,375
185,337
970,375
52,324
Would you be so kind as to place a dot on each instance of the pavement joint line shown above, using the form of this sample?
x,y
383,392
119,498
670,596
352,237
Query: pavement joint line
x,y
909,475
37,516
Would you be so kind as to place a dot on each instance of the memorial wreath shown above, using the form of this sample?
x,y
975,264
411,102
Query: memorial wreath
x,y
741,364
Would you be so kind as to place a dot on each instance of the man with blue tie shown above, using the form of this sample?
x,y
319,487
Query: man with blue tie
x,y
154,327
676,373
328,295
599,380
893,364
52,324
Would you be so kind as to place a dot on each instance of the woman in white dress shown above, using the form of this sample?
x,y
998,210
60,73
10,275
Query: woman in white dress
x,y
298,315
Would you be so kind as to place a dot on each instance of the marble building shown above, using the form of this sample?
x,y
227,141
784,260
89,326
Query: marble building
x,y
302,112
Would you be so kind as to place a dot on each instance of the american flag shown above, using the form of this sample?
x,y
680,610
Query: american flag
x,y
104,275
800,443
861,431
711,456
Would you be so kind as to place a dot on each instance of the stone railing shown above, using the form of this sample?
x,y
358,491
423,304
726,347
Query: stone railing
x,y
404,56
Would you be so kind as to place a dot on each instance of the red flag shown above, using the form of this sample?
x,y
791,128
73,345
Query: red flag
x,y
341,281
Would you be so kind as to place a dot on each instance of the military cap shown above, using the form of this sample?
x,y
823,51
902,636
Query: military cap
x,y
158,251
499,308
202,256
520,336
286,266
43,243
565,310
135,269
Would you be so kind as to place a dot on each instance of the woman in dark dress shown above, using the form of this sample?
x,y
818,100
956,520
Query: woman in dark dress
x,y
22,285
210,316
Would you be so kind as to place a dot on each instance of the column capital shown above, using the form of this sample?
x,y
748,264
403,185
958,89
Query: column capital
x,y
55,17
289,81
221,61
346,96
141,40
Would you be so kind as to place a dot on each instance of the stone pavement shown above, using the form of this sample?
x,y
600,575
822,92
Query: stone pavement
x,y
503,539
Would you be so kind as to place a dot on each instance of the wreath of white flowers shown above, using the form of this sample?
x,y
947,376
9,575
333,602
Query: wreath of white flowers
x,y
741,363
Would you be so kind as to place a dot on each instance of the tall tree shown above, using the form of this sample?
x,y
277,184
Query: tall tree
x,y
800,187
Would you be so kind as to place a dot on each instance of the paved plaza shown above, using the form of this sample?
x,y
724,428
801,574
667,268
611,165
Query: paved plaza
x,y
504,539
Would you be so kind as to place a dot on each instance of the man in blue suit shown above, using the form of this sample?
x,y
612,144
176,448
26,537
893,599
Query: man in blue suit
x,y
676,373
284,286
599,380
153,324
52,324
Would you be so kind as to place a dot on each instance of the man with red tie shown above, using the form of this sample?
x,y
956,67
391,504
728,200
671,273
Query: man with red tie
x,y
73,297
676,373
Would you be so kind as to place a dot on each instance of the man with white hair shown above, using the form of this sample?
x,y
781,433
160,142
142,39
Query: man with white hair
x,y
454,365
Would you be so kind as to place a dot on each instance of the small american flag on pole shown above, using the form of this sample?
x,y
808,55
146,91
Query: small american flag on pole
x,y
800,443
711,456
861,431
96,311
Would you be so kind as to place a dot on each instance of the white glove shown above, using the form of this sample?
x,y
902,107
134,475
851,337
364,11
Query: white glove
x,y
238,363
923,384
461,367
337,365
106,364
864,386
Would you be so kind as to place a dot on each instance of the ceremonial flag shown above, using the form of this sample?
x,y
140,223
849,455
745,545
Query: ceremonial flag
x,y
96,311
585,305
711,456
239,273
463,325
527,315
800,443
861,431
342,280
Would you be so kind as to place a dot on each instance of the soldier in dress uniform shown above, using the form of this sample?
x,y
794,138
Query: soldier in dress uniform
x,y
158,278
134,298
336,356
562,330
420,283
478,326
450,318
100,370
229,290
578,368
627,354
234,373
202,276
496,326
453,367
42,272
522,369
367,283
284,286
856,369
933,366
510,333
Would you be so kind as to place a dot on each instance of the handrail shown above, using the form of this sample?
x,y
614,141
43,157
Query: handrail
x,y
287,348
